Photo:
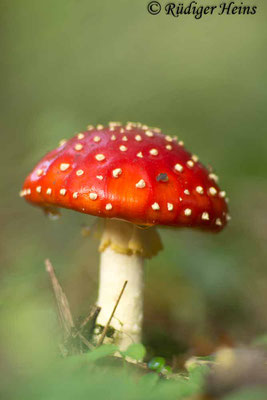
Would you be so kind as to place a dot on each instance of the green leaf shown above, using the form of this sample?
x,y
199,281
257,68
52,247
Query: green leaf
x,y
166,370
101,352
149,381
197,375
156,364
136,351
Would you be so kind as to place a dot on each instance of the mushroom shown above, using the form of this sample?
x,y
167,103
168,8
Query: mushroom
x,y
135,178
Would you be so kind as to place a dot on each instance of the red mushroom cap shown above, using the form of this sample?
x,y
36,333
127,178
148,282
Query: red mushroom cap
x,y
129,172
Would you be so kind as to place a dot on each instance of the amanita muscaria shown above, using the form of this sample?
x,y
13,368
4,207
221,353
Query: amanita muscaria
x,y
133,177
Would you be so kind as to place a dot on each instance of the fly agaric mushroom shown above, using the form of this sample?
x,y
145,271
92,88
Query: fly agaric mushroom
x,y
132,176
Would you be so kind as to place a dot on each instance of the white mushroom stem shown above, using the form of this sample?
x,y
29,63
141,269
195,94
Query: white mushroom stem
x,y
123,247
115,269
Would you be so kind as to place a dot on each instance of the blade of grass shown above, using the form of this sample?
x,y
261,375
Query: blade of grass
x,y
102,337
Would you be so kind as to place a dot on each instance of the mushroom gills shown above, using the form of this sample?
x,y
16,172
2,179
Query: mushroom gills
x,y
127,238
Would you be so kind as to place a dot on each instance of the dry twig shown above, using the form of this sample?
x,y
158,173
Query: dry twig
x,y
69,330
64,312
95,310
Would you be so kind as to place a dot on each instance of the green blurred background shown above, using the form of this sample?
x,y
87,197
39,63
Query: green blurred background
x,y
67,63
